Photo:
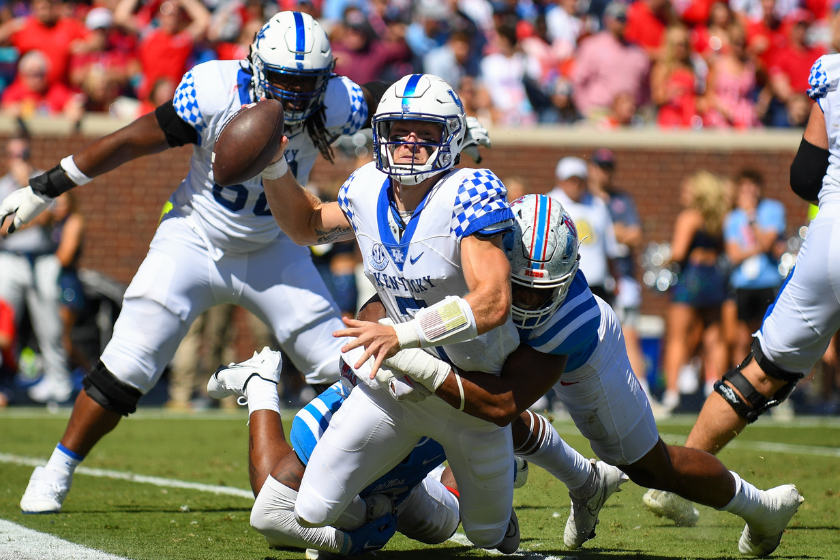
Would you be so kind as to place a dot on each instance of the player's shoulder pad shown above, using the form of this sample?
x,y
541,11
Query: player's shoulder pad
x,y
480,201
345,108
204,90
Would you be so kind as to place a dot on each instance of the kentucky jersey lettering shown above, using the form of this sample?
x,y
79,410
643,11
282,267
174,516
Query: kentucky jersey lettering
x,y
462,203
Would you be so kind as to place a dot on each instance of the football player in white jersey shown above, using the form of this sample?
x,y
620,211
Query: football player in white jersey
x,y
214,244
798,326
557,315
430,238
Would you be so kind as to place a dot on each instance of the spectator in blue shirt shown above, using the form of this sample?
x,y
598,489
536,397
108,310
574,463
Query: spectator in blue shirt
x,y
752,235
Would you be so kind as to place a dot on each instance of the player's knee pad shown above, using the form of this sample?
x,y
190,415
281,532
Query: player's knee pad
x,y
430,514
109,392
753,404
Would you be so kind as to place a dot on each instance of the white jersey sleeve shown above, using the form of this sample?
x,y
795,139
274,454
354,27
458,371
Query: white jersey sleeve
x,y
345,108
198,106
480,205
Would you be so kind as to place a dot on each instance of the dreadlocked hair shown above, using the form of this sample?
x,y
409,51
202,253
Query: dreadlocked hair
x,y
318,132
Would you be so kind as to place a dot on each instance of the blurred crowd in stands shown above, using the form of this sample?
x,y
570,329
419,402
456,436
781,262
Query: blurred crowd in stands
x,y
674,63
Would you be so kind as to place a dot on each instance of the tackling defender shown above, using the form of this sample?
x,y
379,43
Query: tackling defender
x,y
798,326
557,314
430,238
214,244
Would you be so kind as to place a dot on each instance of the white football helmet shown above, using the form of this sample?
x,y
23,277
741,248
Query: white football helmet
x,y
543,253
419,97
292,44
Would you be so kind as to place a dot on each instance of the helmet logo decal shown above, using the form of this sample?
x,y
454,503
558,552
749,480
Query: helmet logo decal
x,y
567,221
378,257
456,99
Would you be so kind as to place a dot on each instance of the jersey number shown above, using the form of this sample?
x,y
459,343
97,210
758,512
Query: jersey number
x,y
236,201
406,303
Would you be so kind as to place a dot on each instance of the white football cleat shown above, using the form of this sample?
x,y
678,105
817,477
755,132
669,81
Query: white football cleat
x,y
763,534
667,504
46,491
521,474
580,527
233,379
510,543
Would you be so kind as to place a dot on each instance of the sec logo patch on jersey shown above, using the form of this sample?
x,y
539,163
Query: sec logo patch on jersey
x,y
378,257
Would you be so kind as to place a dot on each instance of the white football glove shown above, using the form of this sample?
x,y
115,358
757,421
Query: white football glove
x,y
348,360
824,76
476,136
25,205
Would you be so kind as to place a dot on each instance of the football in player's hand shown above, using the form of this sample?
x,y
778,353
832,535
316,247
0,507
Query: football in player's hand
x,y
248,142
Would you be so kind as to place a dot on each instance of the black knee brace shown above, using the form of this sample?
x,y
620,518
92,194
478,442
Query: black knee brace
x,y
755,404
109,392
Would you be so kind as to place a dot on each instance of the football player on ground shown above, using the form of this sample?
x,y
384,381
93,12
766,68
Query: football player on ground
x,y
406,498
557,314
798,327
214,244
430,236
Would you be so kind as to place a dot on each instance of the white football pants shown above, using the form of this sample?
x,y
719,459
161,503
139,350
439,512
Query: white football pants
x,y
799,325
179,280
605,400
372,432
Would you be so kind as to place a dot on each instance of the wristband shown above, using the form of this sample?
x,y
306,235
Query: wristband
x,y
460,390
276,169
448,321
51,184
73,172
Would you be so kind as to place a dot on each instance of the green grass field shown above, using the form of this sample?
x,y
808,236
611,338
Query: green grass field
x,y
140,520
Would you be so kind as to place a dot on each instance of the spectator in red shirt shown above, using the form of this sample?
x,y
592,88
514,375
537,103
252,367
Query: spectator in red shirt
x,y
646,23
674,82
712,40
8,364
32,94
765,35
111,51
165,50
789,69
47,31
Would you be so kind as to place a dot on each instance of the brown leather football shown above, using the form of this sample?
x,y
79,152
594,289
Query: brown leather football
x,y
248,142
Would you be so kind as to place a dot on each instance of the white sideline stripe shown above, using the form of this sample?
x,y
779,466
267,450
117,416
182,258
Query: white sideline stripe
x,y
21,543
460,538
131,477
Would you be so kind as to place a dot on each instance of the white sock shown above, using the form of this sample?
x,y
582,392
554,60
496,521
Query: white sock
x,y
273,515
63,460
747,499
554,455
262,395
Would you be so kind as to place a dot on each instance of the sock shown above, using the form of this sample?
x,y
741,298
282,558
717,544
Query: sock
x,y
588,488
747,499
554,455
262,395
63,460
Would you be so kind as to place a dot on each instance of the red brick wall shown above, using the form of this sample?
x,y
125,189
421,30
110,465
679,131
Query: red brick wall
x,y
123,207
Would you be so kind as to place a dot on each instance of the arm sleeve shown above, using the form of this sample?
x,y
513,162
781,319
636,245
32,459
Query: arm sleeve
x,y
807,170
481,206
178,132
